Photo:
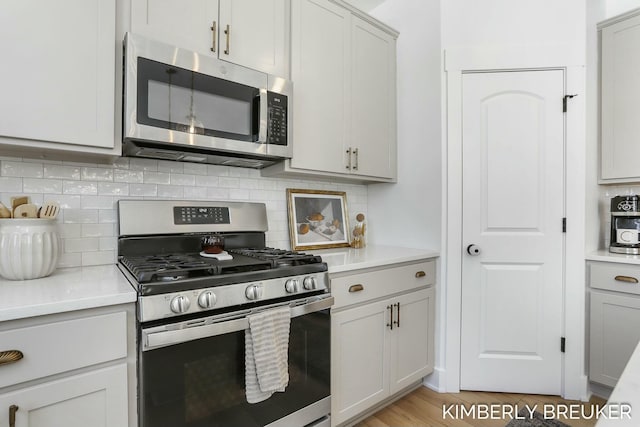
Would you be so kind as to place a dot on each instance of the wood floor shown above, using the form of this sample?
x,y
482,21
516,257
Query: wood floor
x,y
424,408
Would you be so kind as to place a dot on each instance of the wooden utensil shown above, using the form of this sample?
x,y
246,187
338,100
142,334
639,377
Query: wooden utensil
x,y
4,211
26,211
20,200
49,210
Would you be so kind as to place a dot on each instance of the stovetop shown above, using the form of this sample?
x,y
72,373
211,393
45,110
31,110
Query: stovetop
x,y
165,273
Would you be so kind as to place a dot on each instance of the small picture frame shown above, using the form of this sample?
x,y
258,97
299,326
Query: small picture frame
x,y
318,219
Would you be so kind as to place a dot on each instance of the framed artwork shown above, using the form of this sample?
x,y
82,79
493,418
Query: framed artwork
x,y
317,219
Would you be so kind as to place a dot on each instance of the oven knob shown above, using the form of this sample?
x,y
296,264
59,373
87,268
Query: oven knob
x,y
253,292
309,283
207,299
179,304
292,286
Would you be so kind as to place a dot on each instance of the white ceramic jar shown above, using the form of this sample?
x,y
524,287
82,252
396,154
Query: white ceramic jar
x,y
29,248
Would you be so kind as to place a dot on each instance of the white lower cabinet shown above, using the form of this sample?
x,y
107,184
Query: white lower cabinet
x,y
614,319
97,399
68,370
380,346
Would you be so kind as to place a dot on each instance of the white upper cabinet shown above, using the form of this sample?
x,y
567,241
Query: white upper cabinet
x,y
373,101
620,99
320,70
58,73
343,68
252,33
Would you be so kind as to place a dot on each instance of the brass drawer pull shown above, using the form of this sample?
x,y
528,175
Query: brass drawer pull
x,y
214,30
10,356
627,279
420,274
12,415
356,288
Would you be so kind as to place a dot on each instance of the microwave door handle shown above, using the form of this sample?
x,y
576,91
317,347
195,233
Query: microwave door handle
x,y
262,132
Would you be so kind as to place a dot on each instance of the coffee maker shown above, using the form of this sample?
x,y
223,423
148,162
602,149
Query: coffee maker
x,y
625,225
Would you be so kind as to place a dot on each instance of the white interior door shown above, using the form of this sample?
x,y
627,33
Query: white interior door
x,y
513,205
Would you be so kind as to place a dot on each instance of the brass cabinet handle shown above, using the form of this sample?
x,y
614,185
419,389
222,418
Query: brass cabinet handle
x,y
355,166
420,274
12,415
627,279
398,315
348,158
227,31
10,356
214,30
356,288
390,324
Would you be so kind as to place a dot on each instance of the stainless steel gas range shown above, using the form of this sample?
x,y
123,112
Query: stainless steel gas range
x,y
194,301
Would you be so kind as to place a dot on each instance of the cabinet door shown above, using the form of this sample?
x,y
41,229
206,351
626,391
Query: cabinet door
x,y
373,100
58,71
359,359
412,340
96,399
620,97
258,34
614,334
186,23
320,69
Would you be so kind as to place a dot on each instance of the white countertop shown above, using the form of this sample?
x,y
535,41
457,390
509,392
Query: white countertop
x,y
67,289
342,260
606,256
627,392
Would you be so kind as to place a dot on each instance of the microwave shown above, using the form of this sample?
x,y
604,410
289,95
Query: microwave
x,y
188,106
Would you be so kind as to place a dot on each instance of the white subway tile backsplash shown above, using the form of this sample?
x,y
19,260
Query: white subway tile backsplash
x,y
61,172
10,184
97,174
113,189
123,175
181,179
143,190
170,191
97,230
157,178
36,185
79,187
171,167
22,169
145,165
80,216
81,245
88,195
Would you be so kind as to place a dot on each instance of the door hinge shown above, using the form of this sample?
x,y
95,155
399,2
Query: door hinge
x,y
562,344
564,225
564,102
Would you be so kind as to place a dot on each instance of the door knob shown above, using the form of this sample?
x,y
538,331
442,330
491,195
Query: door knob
x,y
473,250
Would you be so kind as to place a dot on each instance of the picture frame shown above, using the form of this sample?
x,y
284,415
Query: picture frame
x,y
318,219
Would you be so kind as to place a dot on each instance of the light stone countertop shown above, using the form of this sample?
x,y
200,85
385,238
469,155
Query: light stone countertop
x,y
626,392
67,289
606,256
341,260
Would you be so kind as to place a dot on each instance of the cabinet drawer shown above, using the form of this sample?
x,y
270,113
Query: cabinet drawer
x,y
362,287
63,346
615,277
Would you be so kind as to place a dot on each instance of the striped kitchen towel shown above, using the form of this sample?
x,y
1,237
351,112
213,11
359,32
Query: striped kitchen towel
x,y
266,353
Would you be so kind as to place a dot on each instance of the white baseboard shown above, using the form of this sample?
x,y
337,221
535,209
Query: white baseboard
x,y
435,381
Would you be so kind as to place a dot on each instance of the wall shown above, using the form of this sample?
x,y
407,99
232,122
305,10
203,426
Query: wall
x,y
408,213
88,194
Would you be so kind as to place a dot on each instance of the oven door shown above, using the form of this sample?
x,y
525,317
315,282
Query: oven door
x,y
193,373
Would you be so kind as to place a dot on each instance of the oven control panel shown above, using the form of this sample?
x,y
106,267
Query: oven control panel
x,y
200,215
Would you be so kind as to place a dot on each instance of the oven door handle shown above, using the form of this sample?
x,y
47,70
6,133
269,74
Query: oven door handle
x,y
153,340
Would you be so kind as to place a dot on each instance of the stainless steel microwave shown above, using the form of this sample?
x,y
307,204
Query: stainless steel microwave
x,y
187,106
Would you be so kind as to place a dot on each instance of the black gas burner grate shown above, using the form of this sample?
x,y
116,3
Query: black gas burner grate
x,y
279,257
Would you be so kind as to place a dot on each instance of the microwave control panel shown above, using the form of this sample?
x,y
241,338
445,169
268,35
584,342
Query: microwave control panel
x,y
277,118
